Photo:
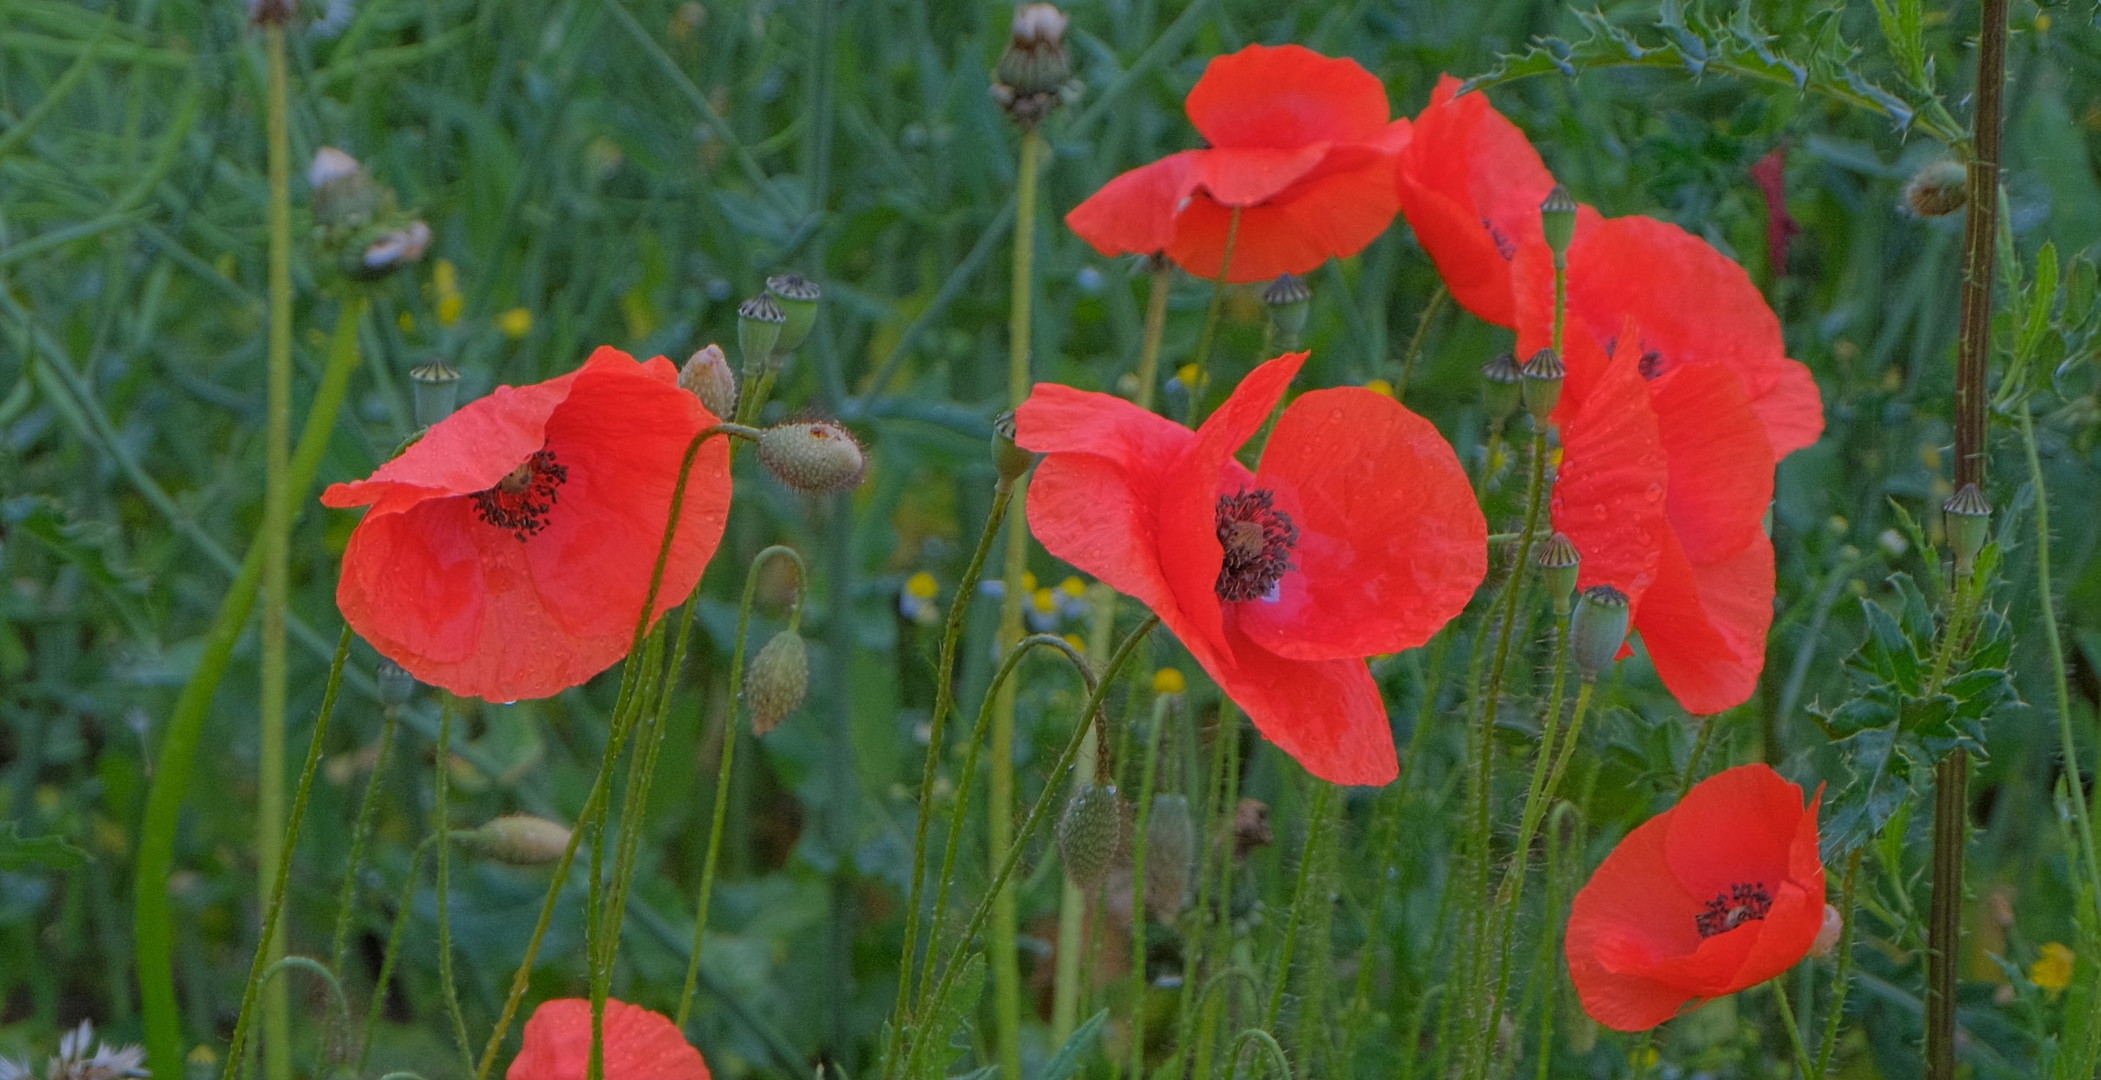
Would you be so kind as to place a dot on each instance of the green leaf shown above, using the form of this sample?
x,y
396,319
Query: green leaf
x,y
2080,287
1888,651
1065,1064
935,1044
21,852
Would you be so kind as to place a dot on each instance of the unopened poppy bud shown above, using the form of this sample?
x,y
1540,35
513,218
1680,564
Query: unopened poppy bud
x,y
395,685
1557,218
813,456
390,252
707,376
1598,629
1089,832
437,391
1543,375
1008,456
777,681
759,324
1559,562
1939,189
1827,935
1170,848
344,194
1502,382
518,839
1034,73
1968,516
1290,301
797,298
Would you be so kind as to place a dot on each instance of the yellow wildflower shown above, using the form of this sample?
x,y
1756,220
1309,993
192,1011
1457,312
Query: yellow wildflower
x,y
2053,970
1169,680
515,323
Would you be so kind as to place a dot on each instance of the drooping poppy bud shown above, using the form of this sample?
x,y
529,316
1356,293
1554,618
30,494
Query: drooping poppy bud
x,y
1089,832
777,681
518,839
1502,382
395,684
437,391
1968,515
707,376
1290,301
1170,848
1009,459
1543,376
1558,562
1598,629
797,298
813,456
1557,219
1828,934
759,325
1939,189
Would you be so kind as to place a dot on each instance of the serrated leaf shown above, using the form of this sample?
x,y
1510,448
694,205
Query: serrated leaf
x,y
1065,1064
1858,715
936,1042
1881,783
21,852
1896,108
2080,286
1888,652
1691,48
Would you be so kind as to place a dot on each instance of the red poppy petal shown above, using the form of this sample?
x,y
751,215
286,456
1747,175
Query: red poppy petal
x,y
1704,626
1060,419
1245,175
1333,213
1286,96
1735,827
1784,937
1631,912
1135,213
639,1044
1327,714
1391,542
1710,970
473,448
1190,557
1720,461
1792,408
412,582
1609,497
1093,501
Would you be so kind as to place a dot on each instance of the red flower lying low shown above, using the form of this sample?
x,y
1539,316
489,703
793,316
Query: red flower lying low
x,y
639,1044
1300,143
507,554
1713,896
1359,535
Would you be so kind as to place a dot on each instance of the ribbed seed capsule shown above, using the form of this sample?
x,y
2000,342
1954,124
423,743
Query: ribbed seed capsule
x,y
395,684
813,456
778,678
1559,562
759,325
1557,218
1170,851
1502,381
437,391
797,298
518,839
1008,457
1543,376
1968,516
1089,832
1598,629
1290,301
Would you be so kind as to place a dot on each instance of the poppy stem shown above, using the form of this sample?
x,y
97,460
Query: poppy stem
x,y
368,807
1316,818
1202,381
1222,807
729,757
1139,844
1148,373
1787,1021
944,702
403,908
441,808
1415,343
1843,980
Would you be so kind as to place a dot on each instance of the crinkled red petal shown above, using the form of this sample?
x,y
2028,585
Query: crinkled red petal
x,y
1334,212
1286,96
639,1044
1704,626
1135,213
1610,495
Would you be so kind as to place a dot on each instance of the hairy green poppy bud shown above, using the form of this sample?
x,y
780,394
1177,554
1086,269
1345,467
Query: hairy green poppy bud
x,y
1007,456
1543,375
777,681
1290,301
813,456
1598,629
759,324
437,391
797,298
707,376
1557,218
1501,386
1170,849
344,194
1089,832
1968,516
395,684
1034,75
1939,189
518,839
1559,562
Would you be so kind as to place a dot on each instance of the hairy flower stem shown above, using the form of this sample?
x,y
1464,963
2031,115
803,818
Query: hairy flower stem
x,y
1842,981
1214,868
1787,1023
441,809
368,807
1199,385
1301,899
1138,852
1148,372
1547,768
276,541
274,912
402,910
153,920
1951,825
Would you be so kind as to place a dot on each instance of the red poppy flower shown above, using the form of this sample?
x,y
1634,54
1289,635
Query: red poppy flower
x,y
1301,144
639,1044
507,554
1358,535
1470,185
1715,895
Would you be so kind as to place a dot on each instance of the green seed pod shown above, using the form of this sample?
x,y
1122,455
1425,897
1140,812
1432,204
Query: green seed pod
x,y
1557,218
1598,629
518,839
1559,561
1170,852
797,298
707,376
759,325
1939,189
1502,382
1543,376
1968,517
777,681
1290,301
437,391
1010,459
1089,832
813,456
395,685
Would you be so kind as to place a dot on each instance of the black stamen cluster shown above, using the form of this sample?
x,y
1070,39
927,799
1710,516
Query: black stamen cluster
x,y
1250,571
1741,904
521,507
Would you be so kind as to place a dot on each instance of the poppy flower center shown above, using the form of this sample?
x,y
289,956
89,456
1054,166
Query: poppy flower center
x,y
1744,902
521,501
1258,540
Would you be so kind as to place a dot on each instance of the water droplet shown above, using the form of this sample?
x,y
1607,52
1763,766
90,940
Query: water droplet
x,y
1654,494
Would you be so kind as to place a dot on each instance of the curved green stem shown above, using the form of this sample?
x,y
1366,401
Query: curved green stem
x,y
1842,981
1139,843
1316,818
402,910
1787,1022
442,808
1268,1042
368,807
1204,342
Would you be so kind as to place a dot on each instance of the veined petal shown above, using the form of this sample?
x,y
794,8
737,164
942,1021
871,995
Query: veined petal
x,y
1333,213
1135,213
1286,96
